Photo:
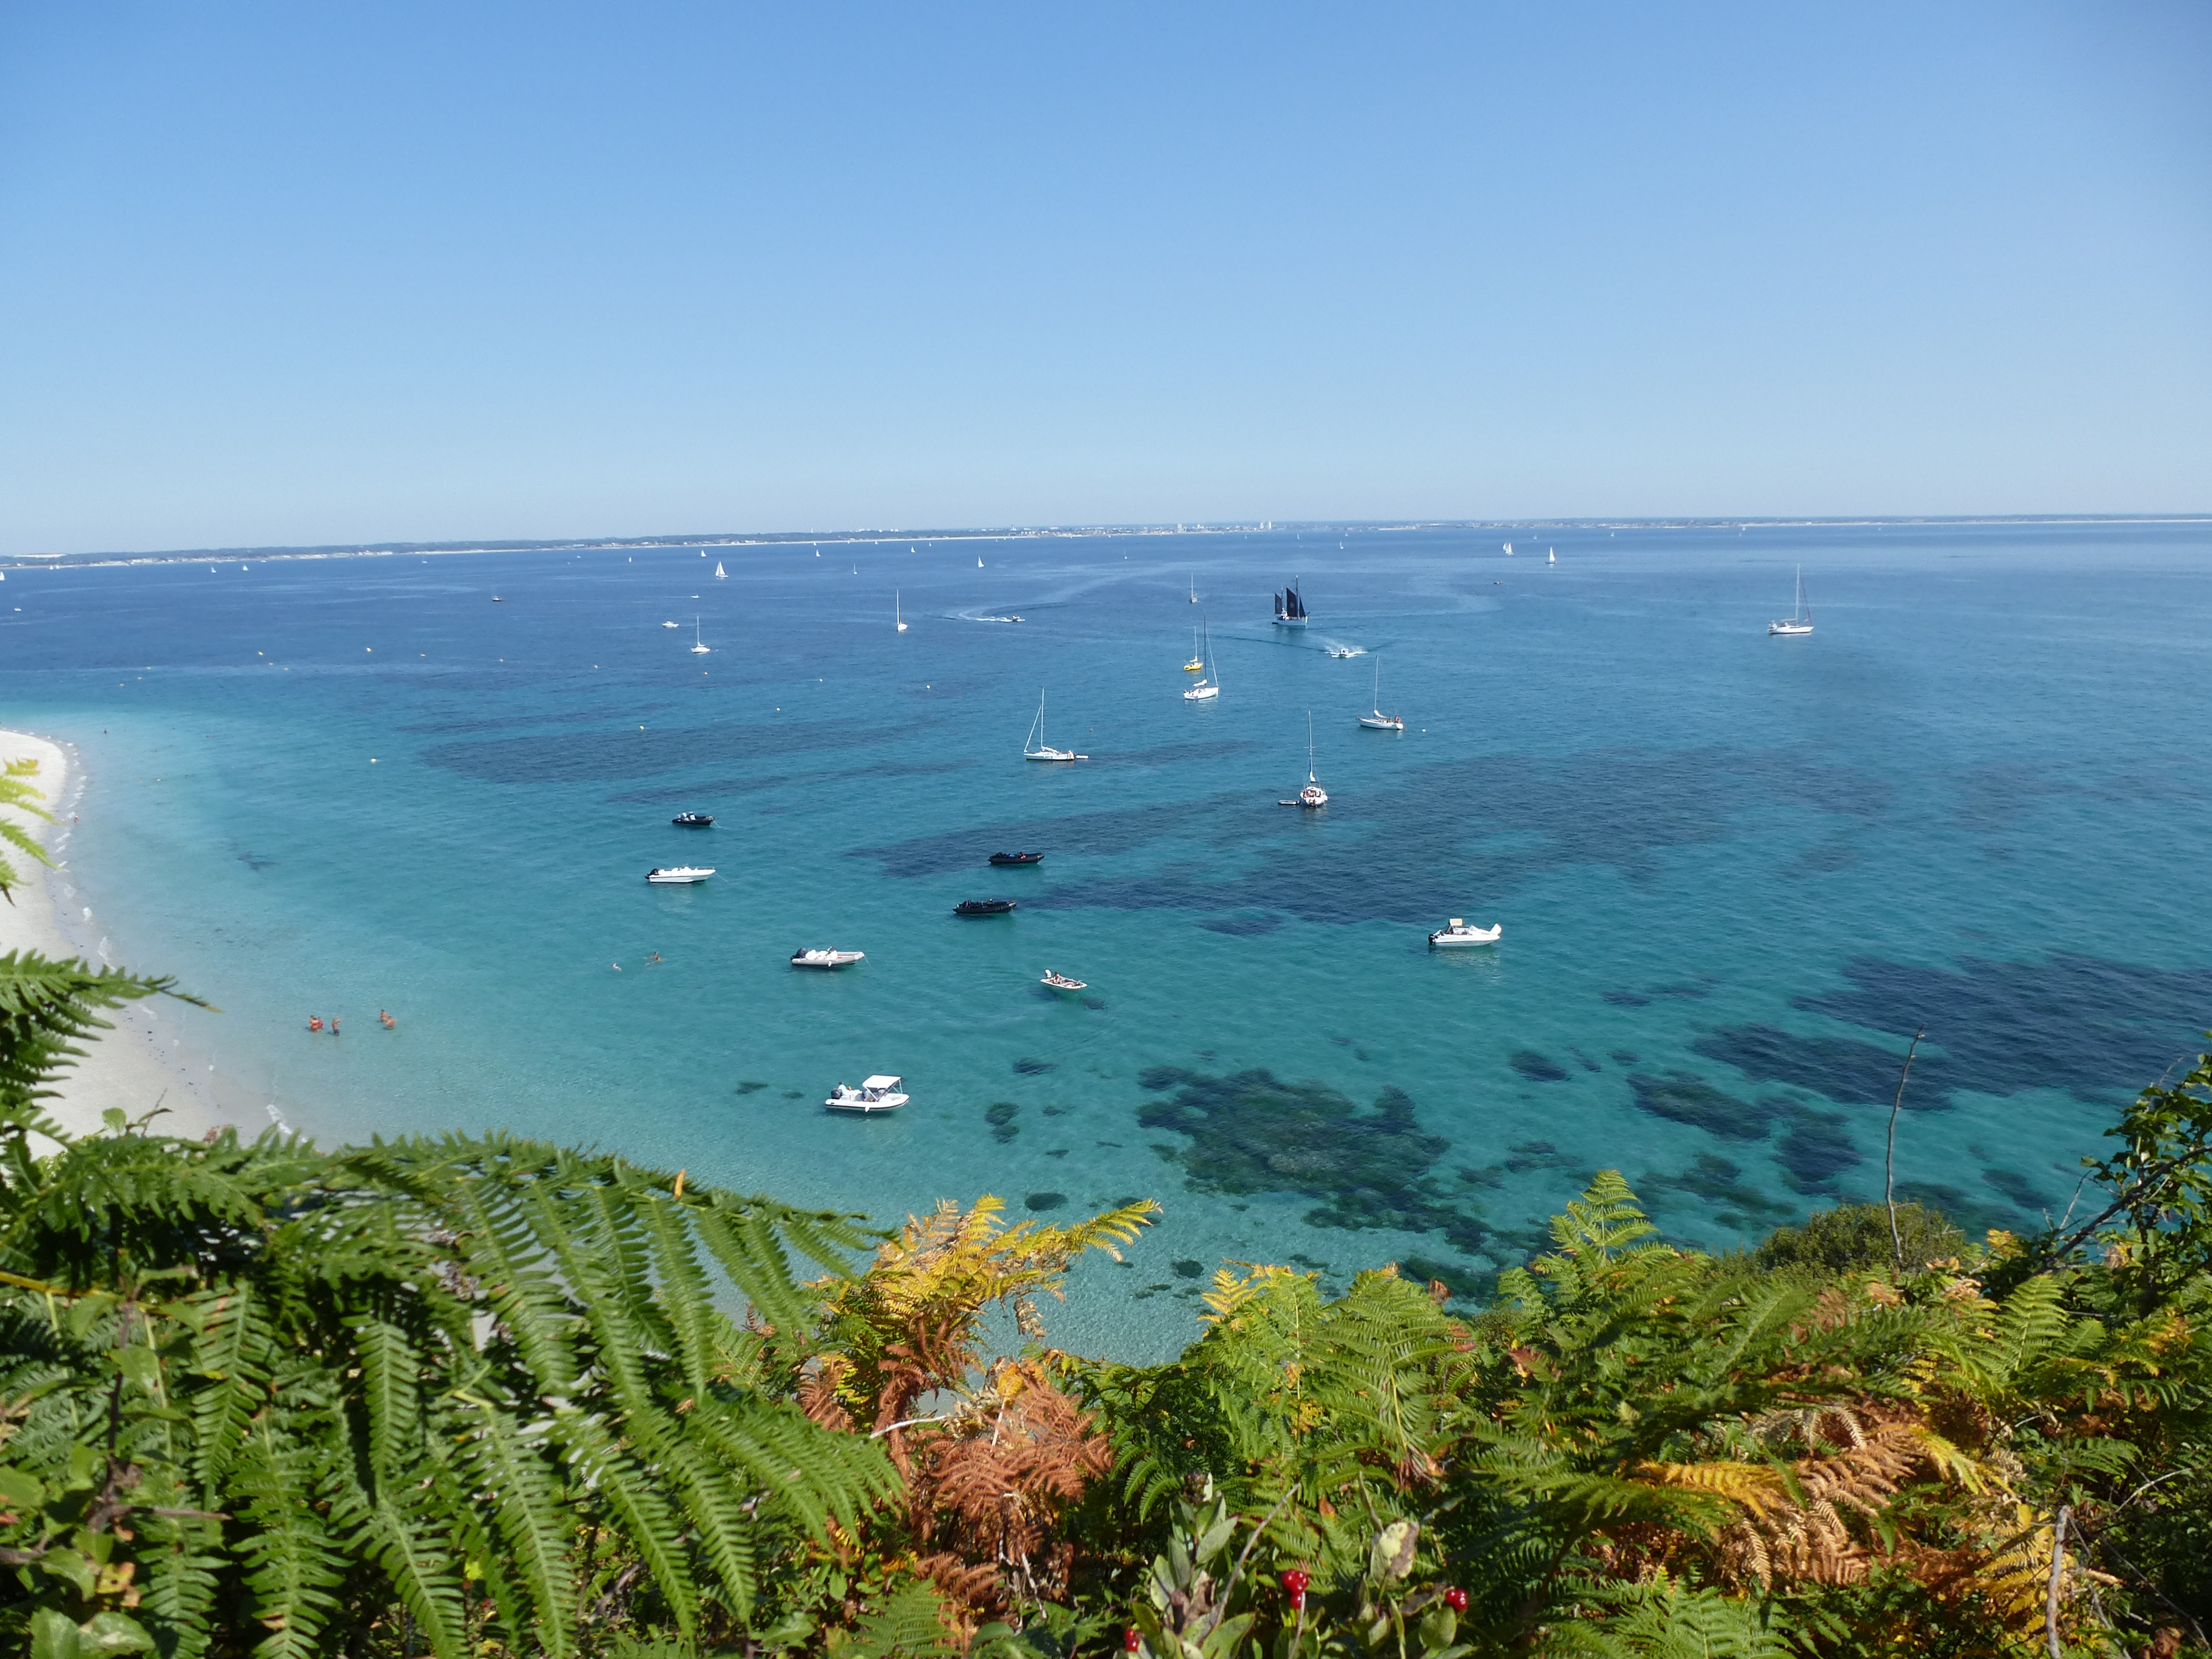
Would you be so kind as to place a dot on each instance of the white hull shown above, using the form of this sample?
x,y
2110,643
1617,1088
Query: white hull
x,y
860,1103
1459,933
1379,722
1052,755
1313,795
827,958
1774,628
876,1094
1201,694
682,875
1290,622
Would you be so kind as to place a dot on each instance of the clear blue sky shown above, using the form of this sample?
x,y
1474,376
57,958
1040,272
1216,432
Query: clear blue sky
x,y
302,273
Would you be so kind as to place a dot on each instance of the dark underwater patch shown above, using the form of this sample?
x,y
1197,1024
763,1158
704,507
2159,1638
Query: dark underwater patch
x,y
1044,1201
1817,1148
594,756
2018,1188
1117,831
1029,1068
763,780
1492,823
1822,860
1243,926
1000,1115
750,1087
1626,999
1686,1097
2098,1029
1539,1068
1253,1133
1717,1181
1845,1070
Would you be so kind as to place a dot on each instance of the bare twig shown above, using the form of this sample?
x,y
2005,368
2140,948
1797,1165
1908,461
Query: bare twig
x,y
2050,1595
1889,1156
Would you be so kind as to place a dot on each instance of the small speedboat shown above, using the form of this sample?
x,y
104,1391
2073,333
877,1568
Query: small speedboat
x,y
670,624
1062,982
694,820
678,875
1016,858
982,907
806,958
1459,933
875,1094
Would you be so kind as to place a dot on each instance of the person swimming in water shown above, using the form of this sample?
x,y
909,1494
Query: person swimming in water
x,y
389,1023
314,1022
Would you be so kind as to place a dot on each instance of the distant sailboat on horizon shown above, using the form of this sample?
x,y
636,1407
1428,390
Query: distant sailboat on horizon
x,y
1799,621
1551,556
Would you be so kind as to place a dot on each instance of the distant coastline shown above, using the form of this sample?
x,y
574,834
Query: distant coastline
x,y
863,537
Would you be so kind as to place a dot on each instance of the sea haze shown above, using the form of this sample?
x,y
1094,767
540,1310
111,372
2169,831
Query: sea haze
x,y
1735,872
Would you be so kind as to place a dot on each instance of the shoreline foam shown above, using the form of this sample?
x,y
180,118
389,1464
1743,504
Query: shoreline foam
x,y
136,1066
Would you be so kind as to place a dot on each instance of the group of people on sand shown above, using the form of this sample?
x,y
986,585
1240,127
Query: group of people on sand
x,y
317,1023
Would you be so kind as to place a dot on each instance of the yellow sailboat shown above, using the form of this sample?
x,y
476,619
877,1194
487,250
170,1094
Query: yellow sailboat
x,y
1197,663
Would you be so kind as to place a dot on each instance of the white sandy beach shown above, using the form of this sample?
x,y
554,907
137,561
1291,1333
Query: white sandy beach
x,y
133,1066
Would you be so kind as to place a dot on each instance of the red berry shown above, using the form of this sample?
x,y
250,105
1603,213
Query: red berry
x,y
1455,1599
1295,1581
1130,1639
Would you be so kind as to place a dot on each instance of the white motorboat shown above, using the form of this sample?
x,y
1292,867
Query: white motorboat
x,y
670,625
1459,933
699,647
1034,747
1208,685
827,958
1062,982
1313,794
875,1094
678,875
1799,621
1379,721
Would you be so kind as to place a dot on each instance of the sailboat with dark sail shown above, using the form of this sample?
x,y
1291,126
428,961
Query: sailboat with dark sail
x,y
1290,608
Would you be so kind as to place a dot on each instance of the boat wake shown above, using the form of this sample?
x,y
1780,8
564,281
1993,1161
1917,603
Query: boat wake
x,y
1339,648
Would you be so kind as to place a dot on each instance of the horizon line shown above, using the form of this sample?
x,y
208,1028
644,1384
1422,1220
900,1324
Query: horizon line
x,y
862,536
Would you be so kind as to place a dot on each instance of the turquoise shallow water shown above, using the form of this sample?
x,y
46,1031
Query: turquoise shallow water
x,y
1734,873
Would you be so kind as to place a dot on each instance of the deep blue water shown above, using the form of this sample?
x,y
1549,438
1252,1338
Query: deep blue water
x,y
1735,872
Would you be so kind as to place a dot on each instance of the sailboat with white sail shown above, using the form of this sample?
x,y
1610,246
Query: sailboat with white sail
x,y
699,647
1209,685
1313,794
1799,621
1193,587
899,616
1379,721
1034,747
720,575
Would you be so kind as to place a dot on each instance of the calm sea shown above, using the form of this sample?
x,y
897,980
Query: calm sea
x,y
1735,872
